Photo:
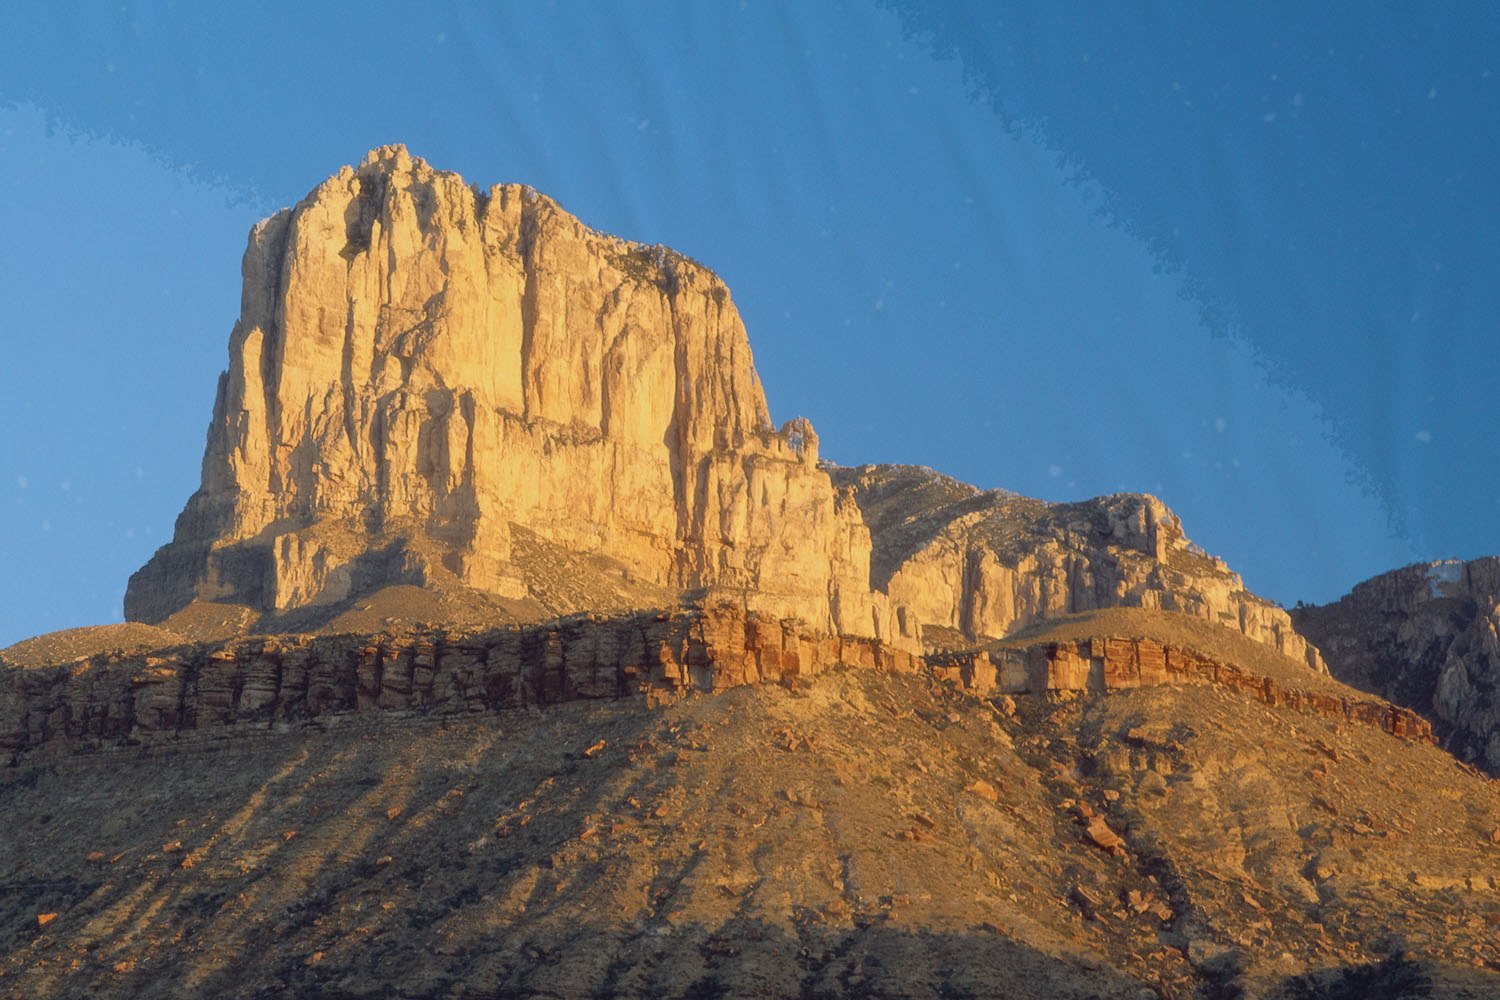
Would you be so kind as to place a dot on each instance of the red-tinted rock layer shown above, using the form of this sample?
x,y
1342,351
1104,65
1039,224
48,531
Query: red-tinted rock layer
x,y
1110,664
658,655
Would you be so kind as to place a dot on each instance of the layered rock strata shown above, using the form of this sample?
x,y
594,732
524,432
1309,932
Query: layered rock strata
x,y
114,697
662,654
420,364
1115,663
988,562
1427,636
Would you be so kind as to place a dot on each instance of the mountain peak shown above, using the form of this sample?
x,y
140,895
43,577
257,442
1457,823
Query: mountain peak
x,y
394,155
419,367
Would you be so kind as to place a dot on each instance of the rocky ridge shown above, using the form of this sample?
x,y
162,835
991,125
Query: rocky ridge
x,y
130,696
1427,636
984,563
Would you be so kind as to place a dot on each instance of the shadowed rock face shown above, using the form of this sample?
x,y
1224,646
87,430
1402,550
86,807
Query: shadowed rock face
x,y
419,364
987,562
1427,636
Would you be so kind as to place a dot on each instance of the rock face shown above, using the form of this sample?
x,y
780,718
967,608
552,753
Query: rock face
x,y
122,696
419,365
1113,663
985,563
1427,636
117,696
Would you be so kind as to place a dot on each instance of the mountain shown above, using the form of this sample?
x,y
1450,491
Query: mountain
x,y
437,386
419,365
508,649
1427,636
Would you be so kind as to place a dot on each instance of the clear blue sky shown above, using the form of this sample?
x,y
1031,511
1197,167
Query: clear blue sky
x,y
1240,256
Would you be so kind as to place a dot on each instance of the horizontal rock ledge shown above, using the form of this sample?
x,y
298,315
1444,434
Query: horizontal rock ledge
x,y
1114,663
657,655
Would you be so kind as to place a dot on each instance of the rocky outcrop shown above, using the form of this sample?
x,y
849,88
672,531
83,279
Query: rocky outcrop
x,y
985,563
1113,663
655,654
113,697
420,364
1427,636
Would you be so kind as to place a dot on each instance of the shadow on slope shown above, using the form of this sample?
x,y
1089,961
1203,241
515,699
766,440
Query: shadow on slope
x,y
590,850
832,841
1396,978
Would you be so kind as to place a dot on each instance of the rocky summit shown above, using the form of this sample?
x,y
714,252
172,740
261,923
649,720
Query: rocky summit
x,y
419,365
509,649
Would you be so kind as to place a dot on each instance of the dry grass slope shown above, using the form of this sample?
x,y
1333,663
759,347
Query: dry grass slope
x,y
80,643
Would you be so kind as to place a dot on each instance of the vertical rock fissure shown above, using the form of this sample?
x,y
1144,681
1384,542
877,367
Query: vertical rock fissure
x,y
346,378
677,440
526,247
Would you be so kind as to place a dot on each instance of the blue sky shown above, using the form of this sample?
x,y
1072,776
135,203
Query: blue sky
x,y
1239,256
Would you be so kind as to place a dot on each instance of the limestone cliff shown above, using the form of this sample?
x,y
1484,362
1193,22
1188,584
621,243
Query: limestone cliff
x,y
420,365
985,563
1426,636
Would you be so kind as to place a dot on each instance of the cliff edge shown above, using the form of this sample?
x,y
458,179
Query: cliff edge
x,y
421,366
